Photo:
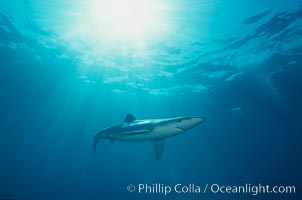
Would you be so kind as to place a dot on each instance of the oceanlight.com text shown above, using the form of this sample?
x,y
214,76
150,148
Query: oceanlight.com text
x,y
193,188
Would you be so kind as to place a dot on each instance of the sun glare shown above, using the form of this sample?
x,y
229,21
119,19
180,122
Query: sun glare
x,y
127,20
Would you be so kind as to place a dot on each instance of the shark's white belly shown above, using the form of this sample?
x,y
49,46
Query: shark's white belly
x,y
156,134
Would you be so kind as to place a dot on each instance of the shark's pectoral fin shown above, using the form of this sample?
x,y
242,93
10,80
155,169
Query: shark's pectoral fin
x,y
159,146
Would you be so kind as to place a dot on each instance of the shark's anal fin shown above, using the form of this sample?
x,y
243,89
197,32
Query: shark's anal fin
x,y
129,118
159,146
111,141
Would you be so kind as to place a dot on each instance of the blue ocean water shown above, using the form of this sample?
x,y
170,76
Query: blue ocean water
x,y
66,73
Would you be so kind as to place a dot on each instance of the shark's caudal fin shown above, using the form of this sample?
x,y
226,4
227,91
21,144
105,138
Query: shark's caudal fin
x,y
129,118
95,141
159,146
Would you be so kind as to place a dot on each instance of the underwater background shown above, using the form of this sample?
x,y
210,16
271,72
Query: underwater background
x,y
64,77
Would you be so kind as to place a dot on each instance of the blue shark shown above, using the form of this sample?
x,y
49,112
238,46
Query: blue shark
x,y
154,130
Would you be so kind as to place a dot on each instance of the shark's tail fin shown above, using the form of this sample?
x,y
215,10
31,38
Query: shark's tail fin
x,y
96,140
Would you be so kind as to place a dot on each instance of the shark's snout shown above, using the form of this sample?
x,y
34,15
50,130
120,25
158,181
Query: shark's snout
x,y
197,120
188,123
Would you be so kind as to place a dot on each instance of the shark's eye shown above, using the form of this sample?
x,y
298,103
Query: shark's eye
x,y
179,120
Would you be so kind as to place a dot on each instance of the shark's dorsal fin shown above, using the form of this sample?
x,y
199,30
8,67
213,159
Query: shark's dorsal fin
x,y
129,118
159,146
